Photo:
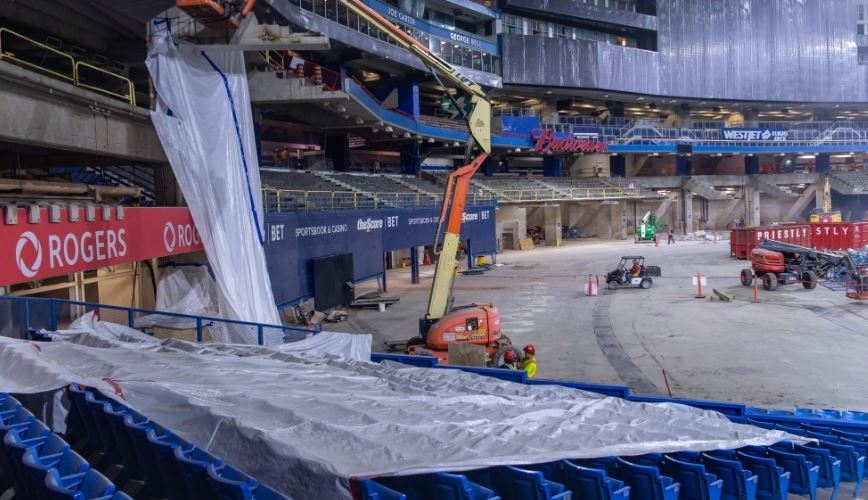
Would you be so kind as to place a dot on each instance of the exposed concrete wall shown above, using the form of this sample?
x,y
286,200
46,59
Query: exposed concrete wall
x,y
39,111
511,224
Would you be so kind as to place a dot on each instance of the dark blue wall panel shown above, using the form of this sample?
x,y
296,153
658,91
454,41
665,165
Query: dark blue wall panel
x,y
296,239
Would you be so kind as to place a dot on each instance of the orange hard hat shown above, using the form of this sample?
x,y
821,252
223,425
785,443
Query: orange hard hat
x,y
509,356
530,349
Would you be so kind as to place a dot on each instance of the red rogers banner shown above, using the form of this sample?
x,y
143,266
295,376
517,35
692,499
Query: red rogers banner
x,y
31,251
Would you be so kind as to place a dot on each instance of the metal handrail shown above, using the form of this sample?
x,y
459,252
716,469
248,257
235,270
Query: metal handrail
x,y
201,321
11,56
130,97
74,67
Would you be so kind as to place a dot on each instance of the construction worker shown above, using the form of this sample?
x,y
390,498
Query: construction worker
x,y
509,361
528,364
636,270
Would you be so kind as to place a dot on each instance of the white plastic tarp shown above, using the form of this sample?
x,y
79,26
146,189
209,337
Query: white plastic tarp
x,y
205,125
185,290
307,424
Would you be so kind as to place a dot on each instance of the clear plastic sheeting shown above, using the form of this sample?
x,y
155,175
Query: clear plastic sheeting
x,y
184,290
204,122
307,424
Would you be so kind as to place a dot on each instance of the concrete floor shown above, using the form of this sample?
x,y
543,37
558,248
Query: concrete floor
x,y
795,347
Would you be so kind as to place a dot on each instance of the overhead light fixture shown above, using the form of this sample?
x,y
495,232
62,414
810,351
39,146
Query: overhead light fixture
x,y
389,129
518,150
359,120
345,116
375,129
341,108
406,135
455,144
430,140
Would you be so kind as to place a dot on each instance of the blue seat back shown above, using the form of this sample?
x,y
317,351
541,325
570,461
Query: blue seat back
x,y
230,483
446,486
738,483
803,474
368,489
830,467
264,492
591,484
696,483
523,484
646,481
193,467
772,481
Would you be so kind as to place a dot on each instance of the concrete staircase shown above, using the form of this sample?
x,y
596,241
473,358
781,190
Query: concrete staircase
x,y
704,190
769,188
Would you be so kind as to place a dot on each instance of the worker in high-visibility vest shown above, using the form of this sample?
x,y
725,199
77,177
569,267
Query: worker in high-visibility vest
x,y
528,364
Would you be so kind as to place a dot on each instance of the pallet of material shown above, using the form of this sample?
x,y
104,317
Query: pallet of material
x,y
374,302
525,244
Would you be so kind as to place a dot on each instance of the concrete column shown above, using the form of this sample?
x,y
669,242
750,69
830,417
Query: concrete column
x,y
823,165
551,166
751,206
411,158
687,211
751,165
635,164
617,166
750,117
548,113
511,222
683,166
337,147
553,225
408,98
618,222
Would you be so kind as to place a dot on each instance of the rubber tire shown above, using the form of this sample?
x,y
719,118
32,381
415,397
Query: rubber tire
x,y
645,284
613,285
770,281
747,277
809,280
497,360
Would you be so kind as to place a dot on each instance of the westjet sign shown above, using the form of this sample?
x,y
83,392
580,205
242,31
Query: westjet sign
x,y
755,134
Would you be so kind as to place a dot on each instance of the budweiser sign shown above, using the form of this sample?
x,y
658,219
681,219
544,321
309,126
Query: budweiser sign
x,y
545,141
32,251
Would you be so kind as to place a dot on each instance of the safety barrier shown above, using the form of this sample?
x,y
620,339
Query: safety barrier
x,y
79,73
28,314
289,200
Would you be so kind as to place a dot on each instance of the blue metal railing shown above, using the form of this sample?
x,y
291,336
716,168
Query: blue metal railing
x,y
35,313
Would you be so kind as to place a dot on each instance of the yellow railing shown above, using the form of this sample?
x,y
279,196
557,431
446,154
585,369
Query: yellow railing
x,y
281,200
73,75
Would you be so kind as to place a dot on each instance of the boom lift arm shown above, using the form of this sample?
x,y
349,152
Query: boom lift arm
x,y
458,182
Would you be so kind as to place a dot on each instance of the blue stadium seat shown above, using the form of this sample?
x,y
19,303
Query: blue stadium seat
x,y
650,459
446,486
96,406
761,423
852,462
163,445
855,415
368,489
792,429
264,492
830,467
822,436
158,486
772,481
646,482
93,485
849,434
522,484
193,466
17,441
591,484
230,483
78,397
803,474
70,467
861,448
696,483
738,483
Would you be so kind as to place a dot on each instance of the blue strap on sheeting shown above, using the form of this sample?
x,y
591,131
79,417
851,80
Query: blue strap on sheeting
x,y
241,146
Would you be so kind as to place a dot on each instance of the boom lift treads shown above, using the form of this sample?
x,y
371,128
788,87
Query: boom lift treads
x,y
474,323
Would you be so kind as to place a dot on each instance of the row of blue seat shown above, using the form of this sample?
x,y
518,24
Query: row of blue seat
x,y
821,413
40,464
753,472
166,464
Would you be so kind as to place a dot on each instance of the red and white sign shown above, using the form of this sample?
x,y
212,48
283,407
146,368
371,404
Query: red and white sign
x,y
545,141
31,251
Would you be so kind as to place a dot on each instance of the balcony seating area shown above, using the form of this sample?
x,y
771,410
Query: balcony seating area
x,y
388,190
442,122
292,191
857,180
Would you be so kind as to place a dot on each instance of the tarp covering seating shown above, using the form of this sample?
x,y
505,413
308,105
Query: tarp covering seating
x,y
308,416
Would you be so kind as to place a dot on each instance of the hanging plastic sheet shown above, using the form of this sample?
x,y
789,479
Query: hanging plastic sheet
x,y
184,290
308,424
204,122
